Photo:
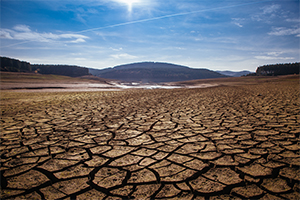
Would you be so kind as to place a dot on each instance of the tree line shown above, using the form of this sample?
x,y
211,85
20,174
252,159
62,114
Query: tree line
x,y
278,69
13,65
65,70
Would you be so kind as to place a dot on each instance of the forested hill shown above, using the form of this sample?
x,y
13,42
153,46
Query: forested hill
x,y
14,65
65,70
278,69
147,72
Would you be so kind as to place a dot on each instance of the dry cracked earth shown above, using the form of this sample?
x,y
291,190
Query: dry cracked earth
x,y
234,142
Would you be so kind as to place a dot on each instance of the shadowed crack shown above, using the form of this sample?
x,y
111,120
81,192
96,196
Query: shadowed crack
x,y
222,142
3,180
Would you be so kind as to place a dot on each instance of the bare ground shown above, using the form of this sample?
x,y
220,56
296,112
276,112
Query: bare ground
x,y
51,83
234,141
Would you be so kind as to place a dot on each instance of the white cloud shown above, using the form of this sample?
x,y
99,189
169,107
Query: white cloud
x,y
174,48
22,28
23,32
119,49
281,31
80,59
238,21
274,53
106,35
270,9
78,40
277,55
80,18
72,36
267,13
273,58
293,20
238,24
5,34
123,56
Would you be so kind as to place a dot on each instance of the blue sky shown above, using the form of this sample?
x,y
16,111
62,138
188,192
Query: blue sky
x,y
218,35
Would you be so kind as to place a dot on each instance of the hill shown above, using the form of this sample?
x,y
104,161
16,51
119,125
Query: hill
x,y
64,70
155,72
278,69
235,74
14,65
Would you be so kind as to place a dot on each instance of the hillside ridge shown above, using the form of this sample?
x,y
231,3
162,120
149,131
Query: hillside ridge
x,y
148,72
234,74
143,72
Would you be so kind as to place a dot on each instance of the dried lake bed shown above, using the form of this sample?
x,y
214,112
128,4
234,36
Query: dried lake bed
x,y
88,87
230,141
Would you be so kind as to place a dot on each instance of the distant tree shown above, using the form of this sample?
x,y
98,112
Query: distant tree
x,y
13,65
278,69
65,70
250,74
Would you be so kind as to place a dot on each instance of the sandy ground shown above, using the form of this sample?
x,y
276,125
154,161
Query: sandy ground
x,y
234,141
28,82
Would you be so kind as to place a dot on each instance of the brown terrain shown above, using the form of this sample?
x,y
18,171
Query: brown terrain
x,y
38,82
237,140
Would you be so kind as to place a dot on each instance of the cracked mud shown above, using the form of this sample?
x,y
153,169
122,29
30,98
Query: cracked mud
x,y
231,142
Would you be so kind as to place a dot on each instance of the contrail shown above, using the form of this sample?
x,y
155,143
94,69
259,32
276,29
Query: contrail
x,y
155,18
15,44
169,16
